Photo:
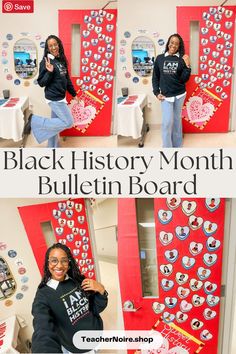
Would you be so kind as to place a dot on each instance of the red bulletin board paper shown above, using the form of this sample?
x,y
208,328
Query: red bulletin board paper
x,y
69,222
216,48
201,107
86,110
97,60
176,340
195,229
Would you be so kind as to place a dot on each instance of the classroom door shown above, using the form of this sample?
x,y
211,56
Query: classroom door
x,y
89,38
170,267
208,33
64,221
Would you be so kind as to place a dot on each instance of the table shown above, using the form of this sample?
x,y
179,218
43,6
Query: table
x,y
12,117
131,117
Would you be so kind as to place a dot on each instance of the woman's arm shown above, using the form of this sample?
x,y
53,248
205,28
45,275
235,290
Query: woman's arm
x,y
185,75
70,87
98,301
156,78
45,75
45,339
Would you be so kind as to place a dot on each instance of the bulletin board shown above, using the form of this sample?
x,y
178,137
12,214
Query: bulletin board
x,y
189,248
190,237
69,222
93,115
208,101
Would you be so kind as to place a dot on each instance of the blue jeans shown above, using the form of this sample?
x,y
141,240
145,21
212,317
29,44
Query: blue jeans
x,y
48,129
172,122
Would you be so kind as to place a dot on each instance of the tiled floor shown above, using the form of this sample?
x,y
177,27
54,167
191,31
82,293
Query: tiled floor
x,y
74,142
152,140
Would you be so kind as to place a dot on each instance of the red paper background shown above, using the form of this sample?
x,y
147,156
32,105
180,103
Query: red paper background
x,y
101,125
33,215
129,266
220,120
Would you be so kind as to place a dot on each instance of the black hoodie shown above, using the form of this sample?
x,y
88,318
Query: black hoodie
x,y
57,82
59,313
170,74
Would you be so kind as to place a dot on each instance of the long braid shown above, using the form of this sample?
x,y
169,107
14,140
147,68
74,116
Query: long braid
x,y
73,271
181,49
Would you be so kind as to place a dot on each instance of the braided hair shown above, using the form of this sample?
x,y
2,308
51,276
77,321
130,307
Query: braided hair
x,y
73,271
181,49
62,56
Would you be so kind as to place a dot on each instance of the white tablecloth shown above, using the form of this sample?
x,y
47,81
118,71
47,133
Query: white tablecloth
x,y
12,120
130,117
9,329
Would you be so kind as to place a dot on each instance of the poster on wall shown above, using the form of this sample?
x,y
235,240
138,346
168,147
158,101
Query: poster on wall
x,y
68,225
208,101
96,65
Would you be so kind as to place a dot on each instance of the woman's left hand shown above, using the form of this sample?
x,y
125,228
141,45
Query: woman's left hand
x,y
77,99
92,285
187,60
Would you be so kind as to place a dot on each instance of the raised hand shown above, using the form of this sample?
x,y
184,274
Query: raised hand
x,y
187,60
48,65
90,284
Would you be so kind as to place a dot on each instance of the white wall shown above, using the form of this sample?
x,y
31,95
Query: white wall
x,y
14,235
44,21
151,16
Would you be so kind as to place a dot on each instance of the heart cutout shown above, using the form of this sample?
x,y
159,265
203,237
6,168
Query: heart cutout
x,y
209,287
173,203
181,317
197,300
212,204
165,237
168,317
171,255
195,284
195,222
185,306
56,213
183,292
195,248
170,302
213,244
157,307
182,232
196,324
197,111
209,259
187,262
166,269
167,284
189,207
209,314
203,273
164,216
206,335
212,300
181,278
209,228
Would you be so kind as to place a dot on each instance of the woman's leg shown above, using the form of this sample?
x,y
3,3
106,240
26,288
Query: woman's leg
x,y
177,135
44,128
167,123
53,142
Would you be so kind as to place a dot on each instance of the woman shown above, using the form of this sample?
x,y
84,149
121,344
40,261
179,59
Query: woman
x,y
65,303
54,76
171,72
